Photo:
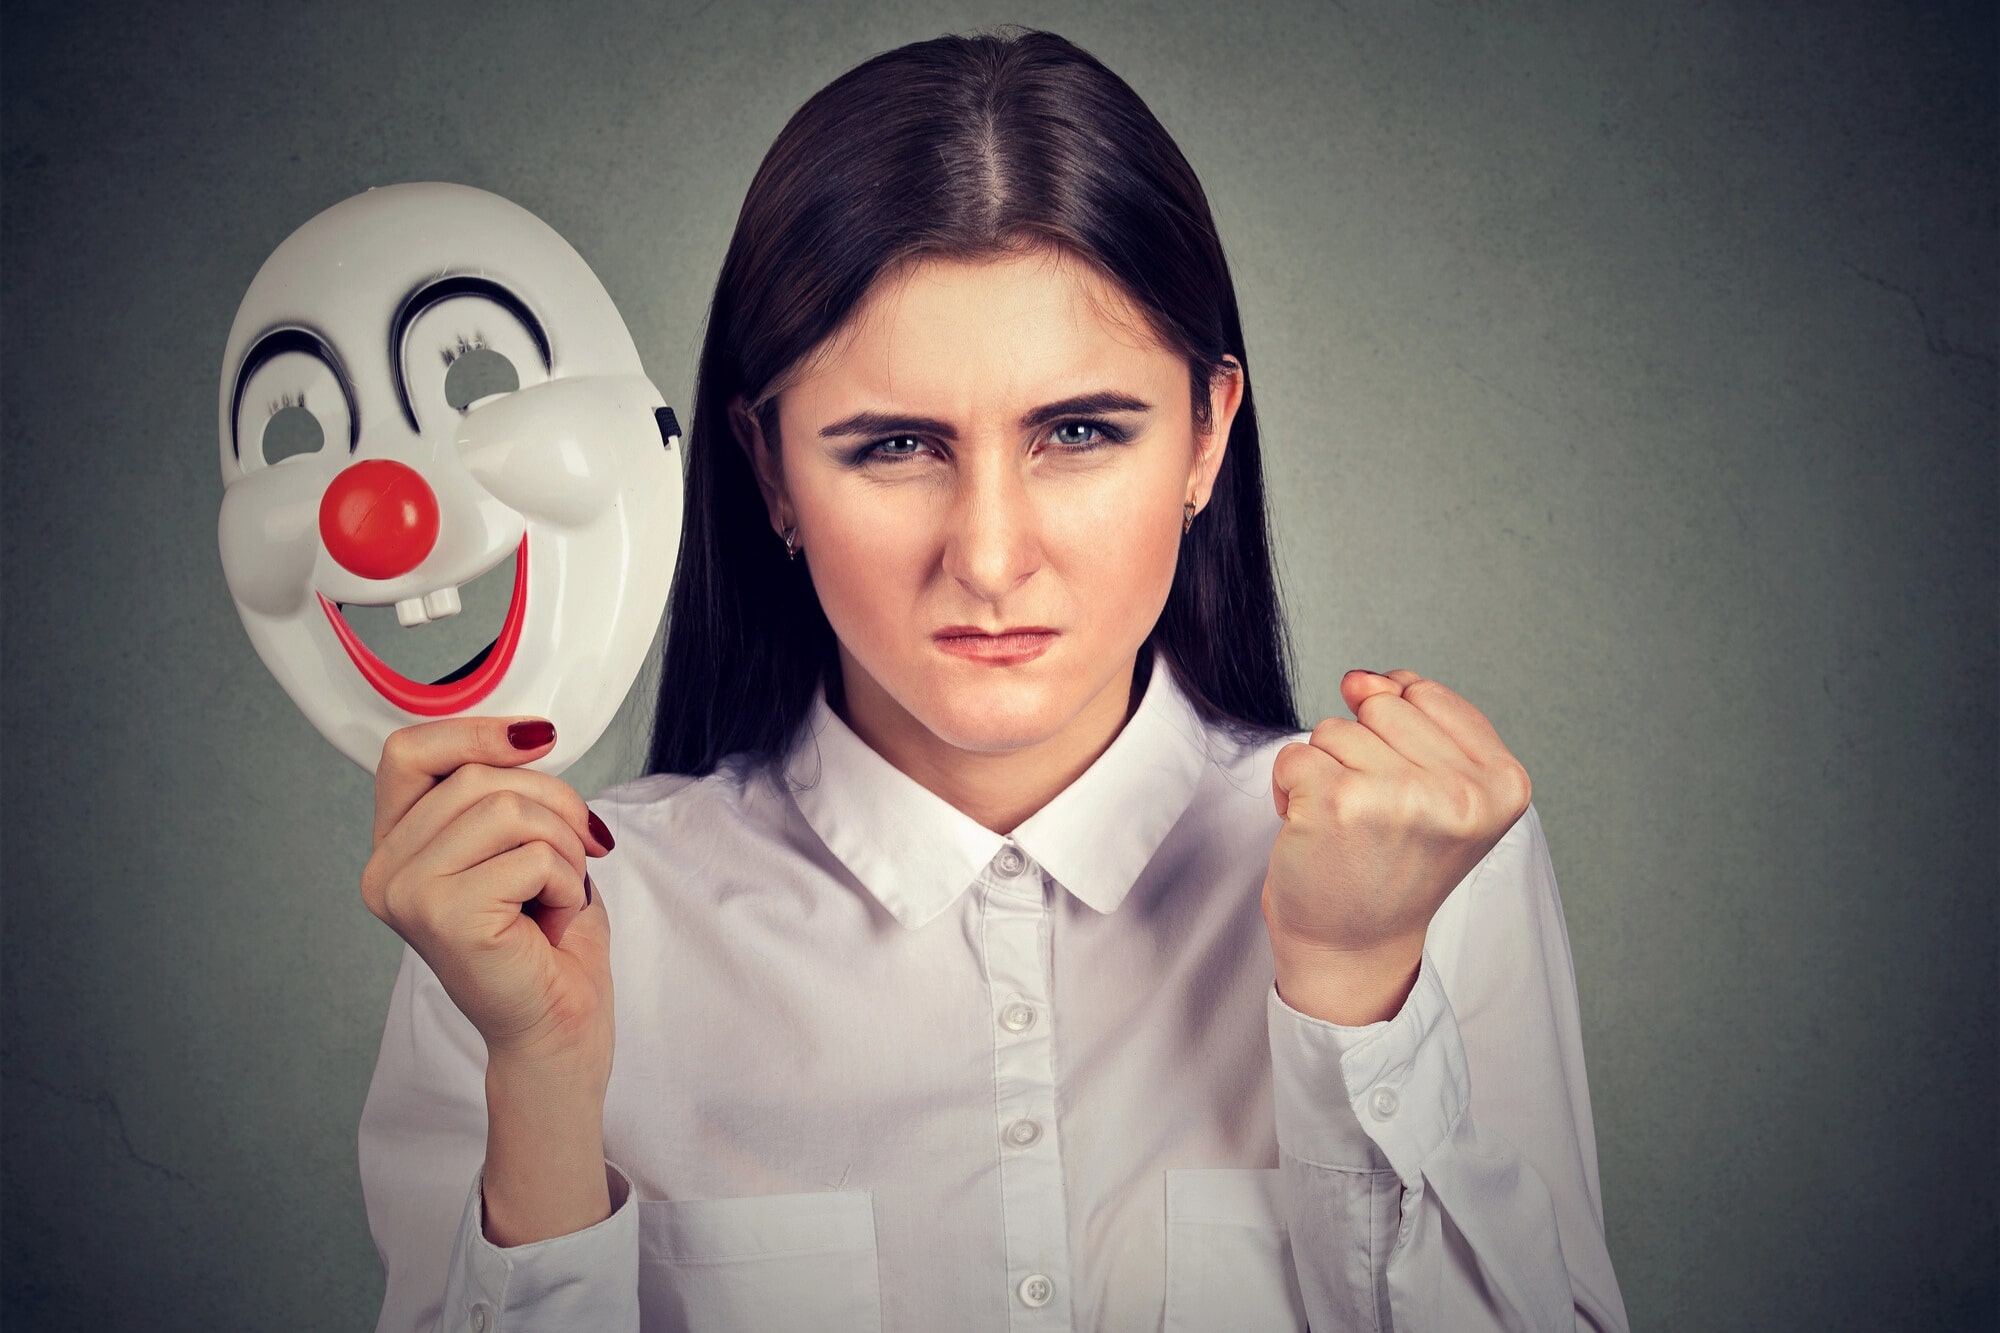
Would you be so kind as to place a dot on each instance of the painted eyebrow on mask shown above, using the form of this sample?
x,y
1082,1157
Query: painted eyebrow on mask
x,y
892,423
292,338
428,294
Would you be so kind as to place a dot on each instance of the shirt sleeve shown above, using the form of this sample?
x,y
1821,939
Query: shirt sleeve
x,y
1441,1165
423,1153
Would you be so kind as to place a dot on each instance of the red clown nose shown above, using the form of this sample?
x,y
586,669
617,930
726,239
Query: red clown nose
x,y
378,519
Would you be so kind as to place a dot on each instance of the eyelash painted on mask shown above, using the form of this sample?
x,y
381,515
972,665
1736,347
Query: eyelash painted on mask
x,y
1110,435
452,354
286,400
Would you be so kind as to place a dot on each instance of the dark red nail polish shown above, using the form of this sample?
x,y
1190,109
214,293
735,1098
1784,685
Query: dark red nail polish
x,y
531,735
586,888
599,832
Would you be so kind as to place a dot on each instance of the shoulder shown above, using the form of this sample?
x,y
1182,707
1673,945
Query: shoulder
x,y
1231,805
685,845
1241,758
730,778
738,795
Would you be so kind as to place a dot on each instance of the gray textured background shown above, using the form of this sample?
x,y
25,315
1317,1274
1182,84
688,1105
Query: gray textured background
x,y
1628,367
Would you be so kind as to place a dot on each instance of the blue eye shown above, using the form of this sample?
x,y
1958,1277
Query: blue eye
x,y
892,449
1105,434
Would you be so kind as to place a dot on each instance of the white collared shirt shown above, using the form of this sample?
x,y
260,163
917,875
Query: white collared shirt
x,y
879,1067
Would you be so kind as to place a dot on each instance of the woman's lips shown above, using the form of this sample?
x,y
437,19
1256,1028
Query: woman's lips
x,y
1008,649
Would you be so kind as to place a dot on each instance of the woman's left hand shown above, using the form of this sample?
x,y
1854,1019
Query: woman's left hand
x,y
1384,814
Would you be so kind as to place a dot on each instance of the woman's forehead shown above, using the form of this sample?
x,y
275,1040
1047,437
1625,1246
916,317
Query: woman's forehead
x,y
1040,284
950,329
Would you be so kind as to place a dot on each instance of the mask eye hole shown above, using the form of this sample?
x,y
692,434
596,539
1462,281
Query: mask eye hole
x,y
477,373
291,430
461,348
292,406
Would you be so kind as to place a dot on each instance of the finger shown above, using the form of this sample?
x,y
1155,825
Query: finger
x,y
1413,733
496,824
1299,769
1358,684
1356,747
548,888
415,758
471,783
556,921
1454,714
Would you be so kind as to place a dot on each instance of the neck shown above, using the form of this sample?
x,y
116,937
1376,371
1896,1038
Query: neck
x,y
997,788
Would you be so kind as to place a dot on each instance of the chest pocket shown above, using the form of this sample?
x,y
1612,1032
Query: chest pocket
x,y
1229,1252
772,1263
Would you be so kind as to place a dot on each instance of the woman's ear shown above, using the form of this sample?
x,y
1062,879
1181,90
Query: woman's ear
x,y
1225,395
764,464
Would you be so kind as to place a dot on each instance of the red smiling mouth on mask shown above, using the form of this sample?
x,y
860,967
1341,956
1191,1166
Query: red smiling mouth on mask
x,y
458,690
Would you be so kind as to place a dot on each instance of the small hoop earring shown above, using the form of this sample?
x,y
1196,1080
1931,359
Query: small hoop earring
x,y
791,543
1187,517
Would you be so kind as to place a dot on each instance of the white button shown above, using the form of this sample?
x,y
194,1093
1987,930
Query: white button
x,y
481,1317
1017,1017
1036,1289
1009,862
1024,1133
1382,1103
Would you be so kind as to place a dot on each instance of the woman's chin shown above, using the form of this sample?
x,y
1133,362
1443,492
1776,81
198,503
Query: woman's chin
x,y
994,715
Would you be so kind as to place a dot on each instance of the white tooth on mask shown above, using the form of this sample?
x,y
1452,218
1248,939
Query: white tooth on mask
x,y
442,603
410,612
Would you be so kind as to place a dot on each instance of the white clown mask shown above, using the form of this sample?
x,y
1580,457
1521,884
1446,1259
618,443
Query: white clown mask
x,y
565,462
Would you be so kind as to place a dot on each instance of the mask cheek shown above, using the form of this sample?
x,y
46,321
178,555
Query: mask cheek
x,y
269,535
560,451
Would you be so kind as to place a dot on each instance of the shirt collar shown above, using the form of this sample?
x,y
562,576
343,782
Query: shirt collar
x,y
917,853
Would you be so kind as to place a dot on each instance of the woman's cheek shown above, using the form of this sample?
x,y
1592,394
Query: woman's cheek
x,y
866,575
1122,556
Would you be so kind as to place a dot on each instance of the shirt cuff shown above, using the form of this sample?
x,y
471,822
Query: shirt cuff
x,y
585,1279
1381,1095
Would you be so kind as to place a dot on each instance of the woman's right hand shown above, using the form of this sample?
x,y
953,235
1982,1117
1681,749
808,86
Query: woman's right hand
x,y
479,864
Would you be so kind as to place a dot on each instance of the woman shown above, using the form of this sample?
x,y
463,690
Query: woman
x,y
994,950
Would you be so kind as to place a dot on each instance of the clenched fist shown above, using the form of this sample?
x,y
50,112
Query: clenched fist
x,y
1385,814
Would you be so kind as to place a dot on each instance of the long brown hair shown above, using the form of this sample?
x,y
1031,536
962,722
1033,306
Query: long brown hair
x,y
959,147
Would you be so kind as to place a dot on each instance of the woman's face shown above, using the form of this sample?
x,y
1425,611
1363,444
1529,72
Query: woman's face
x,y
987,447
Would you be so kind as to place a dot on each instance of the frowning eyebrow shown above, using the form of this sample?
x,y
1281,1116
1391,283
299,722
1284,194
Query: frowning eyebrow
x,y
888,423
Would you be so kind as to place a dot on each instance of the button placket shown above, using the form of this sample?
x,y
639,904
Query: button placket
x,y
1014,929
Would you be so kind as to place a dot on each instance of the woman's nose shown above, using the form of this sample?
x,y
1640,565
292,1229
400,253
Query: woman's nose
x,y
379,518
993,545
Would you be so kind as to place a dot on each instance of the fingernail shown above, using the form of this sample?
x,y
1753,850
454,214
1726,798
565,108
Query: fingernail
x,y
531,735
586,888
598,831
